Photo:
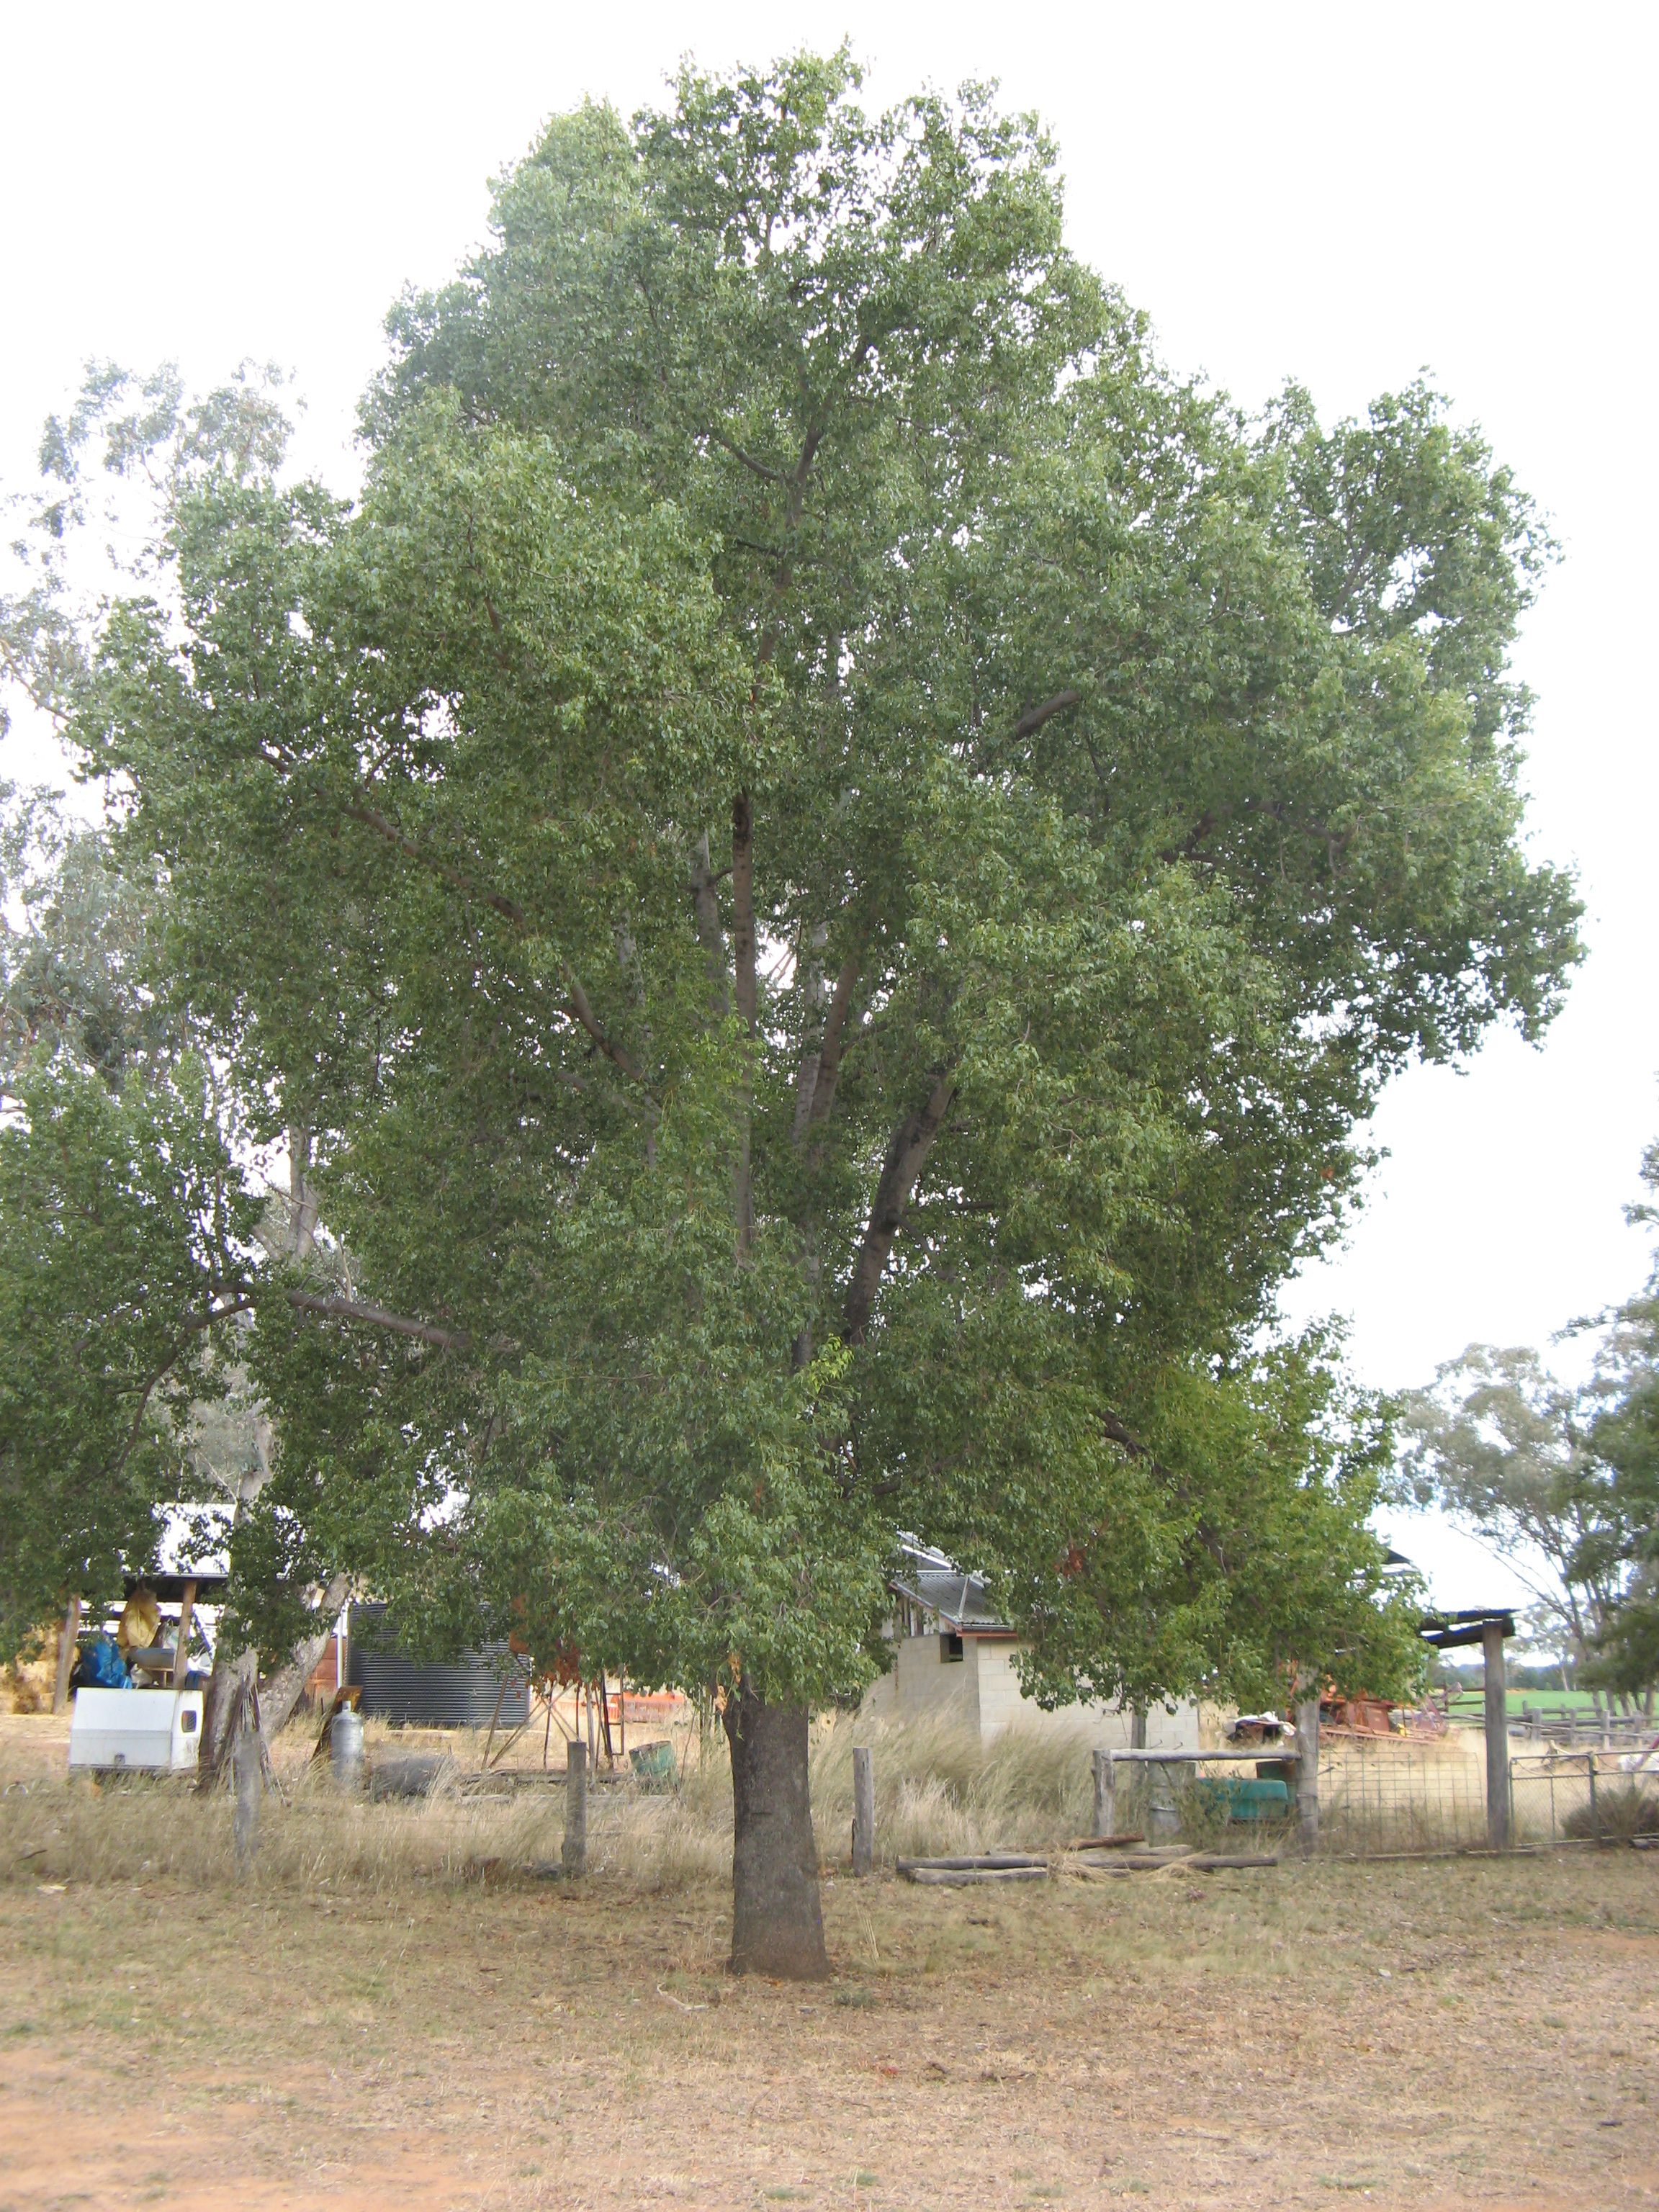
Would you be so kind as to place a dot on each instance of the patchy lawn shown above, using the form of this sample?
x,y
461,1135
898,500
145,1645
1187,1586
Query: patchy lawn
x,y
1447,2035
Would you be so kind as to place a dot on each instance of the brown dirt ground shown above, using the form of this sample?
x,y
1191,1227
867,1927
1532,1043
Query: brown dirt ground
x,y
1458,2036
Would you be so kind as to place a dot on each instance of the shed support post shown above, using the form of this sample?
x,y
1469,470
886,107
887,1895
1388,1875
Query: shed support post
x,y
66,1654
864,1812
576,1808
1105,1794
1497,1738
1306,1776
181,1651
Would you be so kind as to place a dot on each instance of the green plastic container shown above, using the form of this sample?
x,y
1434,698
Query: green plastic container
x,y
1241,1798
654,1765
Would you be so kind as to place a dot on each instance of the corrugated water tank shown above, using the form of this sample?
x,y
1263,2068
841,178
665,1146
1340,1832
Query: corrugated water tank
x,y
462,1694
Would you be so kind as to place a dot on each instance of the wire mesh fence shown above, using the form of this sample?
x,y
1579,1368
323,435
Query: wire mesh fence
x,y
1564,1797
1382,1796
1379,1795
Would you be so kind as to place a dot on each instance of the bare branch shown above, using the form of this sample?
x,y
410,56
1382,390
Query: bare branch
x,y
907,1155
762,468
1033,717
457,879
617,1054
353,1309
835,1031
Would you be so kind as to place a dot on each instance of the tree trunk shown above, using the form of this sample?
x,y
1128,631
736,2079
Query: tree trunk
x,y
777,1923
282,1692
226,1691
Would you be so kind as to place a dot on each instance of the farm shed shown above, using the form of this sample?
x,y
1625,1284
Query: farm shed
x,y
954,1658
467,1692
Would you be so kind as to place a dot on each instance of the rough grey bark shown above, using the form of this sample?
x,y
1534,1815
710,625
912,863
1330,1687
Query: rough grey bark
x,y
66,1642
227,1692
777,1919
282,1693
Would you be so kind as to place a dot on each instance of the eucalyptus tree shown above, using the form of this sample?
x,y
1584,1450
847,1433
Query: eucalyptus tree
x,y
118,1193
1625,1433
831,856
1513,1454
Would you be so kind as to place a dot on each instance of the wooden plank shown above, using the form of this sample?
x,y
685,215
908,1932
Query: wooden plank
x,y
993,1862
965,1877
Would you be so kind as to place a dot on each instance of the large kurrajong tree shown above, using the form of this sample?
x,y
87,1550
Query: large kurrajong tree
x,y
827,860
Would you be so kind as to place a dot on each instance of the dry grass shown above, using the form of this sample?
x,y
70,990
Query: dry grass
x,y
1462,2037
937,1790
384,2013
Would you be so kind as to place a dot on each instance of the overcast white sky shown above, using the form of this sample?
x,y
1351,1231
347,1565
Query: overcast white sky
x,y
1346,194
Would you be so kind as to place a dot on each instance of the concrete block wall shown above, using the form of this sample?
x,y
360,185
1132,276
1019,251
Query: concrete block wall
x,y
981,1691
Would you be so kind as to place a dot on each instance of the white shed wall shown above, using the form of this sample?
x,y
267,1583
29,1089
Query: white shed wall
x,y
982,1691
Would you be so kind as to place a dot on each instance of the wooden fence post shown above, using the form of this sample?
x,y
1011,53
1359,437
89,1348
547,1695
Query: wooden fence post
x,y
575,1808
1105,1794
864,1812
1497,1737
1306,1776
247,1764
66,1654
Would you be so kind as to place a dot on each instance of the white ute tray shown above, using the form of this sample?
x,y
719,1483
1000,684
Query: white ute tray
x,y
150,1731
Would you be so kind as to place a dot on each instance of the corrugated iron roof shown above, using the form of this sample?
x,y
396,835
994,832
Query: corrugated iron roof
x,y
938,1586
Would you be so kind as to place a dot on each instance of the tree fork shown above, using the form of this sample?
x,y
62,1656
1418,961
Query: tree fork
x,y
777,1918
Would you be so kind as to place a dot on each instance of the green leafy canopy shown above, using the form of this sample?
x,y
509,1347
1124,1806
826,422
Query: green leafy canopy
x,y
828,859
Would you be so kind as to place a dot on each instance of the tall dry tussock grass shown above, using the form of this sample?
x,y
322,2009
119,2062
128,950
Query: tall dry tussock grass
x,y
937,1790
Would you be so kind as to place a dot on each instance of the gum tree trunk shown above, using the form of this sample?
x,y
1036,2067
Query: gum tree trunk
x,y
777,1923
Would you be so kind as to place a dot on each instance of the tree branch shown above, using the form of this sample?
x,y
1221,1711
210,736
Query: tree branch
x,y
510,910
835,1031
745,991
705,906
762,468
617,1054
282,1691
457,879
1033,717
422,1332
907,1155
